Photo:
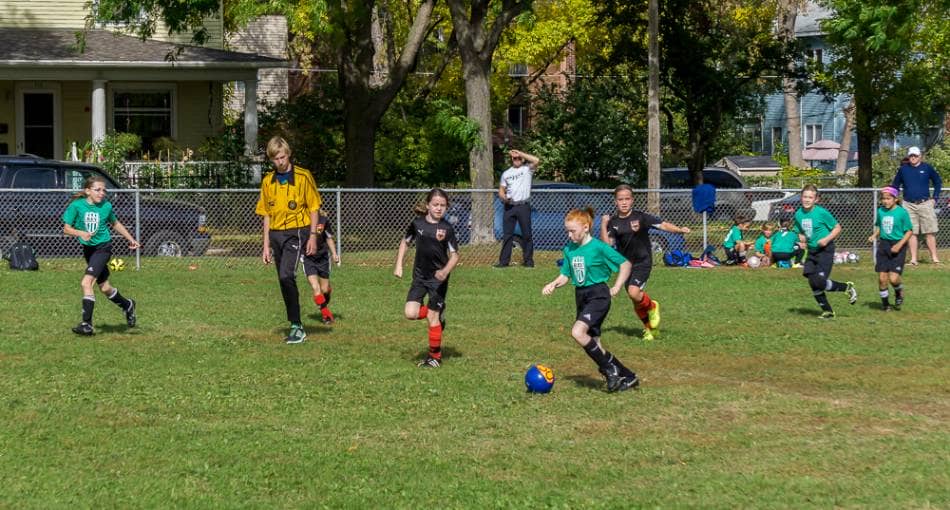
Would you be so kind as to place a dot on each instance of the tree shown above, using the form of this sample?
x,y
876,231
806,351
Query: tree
x,y
477,26
785,30
713,56
897,77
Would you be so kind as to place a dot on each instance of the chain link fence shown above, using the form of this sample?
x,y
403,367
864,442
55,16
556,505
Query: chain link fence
x,y
210,227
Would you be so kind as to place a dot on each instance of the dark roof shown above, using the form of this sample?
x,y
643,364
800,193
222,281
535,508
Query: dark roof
x,y
59,46
752,162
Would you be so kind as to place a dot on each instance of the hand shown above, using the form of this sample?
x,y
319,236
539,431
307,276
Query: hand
x,y
441,275
397,272
266,255
822,242
336,258
311,246
604,218
133,244
85,236
614,291
548,289
896,248
684,230
871,239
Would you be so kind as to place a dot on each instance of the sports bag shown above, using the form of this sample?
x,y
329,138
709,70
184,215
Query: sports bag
x,y
677,258
22,257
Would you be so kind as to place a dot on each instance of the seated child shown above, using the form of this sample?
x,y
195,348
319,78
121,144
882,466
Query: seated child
x,y
733,245
785,249
763,243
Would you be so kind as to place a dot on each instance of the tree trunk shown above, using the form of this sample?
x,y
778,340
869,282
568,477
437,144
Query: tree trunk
x,y
866,138
359,130
653,110
841,164
481,167
787,13
697,157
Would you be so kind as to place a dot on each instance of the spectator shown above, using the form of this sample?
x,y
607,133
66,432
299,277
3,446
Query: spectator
x,y
916,176
514,191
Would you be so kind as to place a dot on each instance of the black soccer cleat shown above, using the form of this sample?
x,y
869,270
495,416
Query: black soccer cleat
x,y
84,328
898,301
627,382
612,374
429,362
130,314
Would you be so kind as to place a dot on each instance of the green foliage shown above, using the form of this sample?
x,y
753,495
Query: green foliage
x,y
593,133
886,162
113,150
226,145
424,143
142,16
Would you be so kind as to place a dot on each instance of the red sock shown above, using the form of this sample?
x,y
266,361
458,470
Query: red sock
x,y
423,312
325,312
435,341
643,307
320,300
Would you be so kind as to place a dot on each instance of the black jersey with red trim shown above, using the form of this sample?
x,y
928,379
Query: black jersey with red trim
x,y
324,234
632,235
434,242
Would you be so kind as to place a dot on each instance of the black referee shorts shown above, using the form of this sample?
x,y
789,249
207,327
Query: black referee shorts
x,y
592,304
887,261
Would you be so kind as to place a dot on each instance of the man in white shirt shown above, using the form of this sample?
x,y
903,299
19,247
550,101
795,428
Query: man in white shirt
x,y
514,190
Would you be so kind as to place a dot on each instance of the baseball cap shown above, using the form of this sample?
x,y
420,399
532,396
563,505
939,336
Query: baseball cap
x,y
913,151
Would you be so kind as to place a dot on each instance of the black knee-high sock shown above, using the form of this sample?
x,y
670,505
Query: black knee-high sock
x,y
601,357
623,369
834,286
326,295
822,299
88,304
899,290
119,300
884,295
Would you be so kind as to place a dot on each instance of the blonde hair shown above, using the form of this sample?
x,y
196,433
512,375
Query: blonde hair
x,y
582,216
275,145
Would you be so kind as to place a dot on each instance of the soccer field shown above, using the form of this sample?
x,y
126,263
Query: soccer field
x,y
747,399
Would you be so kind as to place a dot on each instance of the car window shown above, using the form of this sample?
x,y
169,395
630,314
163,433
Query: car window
x,y
675,180
34,178
75,178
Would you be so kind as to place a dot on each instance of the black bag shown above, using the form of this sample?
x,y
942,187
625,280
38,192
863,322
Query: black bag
x,y
22,257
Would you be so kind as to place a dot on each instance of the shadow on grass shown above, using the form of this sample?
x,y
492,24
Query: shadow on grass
x,y
586,381
877,306
447,352
626,331
318,318
814,312
114,328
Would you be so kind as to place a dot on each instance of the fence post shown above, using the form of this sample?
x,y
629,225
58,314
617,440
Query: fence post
x,y
339,225
138,229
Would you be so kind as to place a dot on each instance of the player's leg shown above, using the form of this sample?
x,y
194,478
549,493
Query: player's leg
x,y
288,248
436,305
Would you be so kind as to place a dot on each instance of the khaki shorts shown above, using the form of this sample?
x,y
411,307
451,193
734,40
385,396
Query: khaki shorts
x,y
922,216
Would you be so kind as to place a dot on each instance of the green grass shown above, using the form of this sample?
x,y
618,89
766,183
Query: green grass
x,y
748,400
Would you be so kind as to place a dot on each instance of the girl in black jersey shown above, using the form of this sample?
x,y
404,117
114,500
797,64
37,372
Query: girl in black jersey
x,y
436,256
629,231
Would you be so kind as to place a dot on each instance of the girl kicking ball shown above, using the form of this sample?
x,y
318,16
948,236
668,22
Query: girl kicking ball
x,y
588,264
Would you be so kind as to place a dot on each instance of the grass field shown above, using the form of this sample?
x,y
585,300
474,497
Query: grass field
x,y
748,400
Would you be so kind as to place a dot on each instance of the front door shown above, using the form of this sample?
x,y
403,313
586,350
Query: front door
x,y
38,130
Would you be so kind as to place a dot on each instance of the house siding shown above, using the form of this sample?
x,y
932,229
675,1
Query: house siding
x,y
199,112
72,14
266,36
7,115
76,105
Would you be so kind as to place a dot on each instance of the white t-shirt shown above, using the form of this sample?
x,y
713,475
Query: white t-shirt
x,y
517,183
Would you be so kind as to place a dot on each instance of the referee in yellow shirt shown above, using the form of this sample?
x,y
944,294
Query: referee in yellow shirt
x,y
289,203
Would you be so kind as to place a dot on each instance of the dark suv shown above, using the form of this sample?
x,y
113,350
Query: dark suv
x,y
678,206
168,227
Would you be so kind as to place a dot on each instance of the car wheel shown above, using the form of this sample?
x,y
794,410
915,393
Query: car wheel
x,y
165,244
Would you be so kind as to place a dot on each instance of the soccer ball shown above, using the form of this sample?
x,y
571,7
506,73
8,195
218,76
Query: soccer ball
x,y
539,379
853,258
116,264
839,258
754,261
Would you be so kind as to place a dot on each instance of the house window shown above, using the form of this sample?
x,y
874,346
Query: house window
x,y
518,119
815,55
518,70
812,133
147,111
776,138
753,136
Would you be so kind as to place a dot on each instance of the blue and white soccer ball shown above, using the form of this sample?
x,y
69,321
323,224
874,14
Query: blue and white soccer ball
x,y
539,379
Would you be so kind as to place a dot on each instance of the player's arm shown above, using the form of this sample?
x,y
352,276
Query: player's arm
x,y
265,254
124,232
560,281
443,273
875,235
900,244
75,232
400,257
669,227
622,275
604,232
332,247
312,240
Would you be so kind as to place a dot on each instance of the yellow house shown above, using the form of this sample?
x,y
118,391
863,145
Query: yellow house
x,y
51,94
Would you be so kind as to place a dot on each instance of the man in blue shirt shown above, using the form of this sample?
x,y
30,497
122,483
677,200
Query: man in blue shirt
x,y
915,176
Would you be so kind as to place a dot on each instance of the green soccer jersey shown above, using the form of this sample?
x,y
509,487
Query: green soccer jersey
x,y
735,234
784,241
893,222
94,218
760,242
814,224
591,263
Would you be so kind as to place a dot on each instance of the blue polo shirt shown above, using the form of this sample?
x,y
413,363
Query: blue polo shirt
x,y
916,181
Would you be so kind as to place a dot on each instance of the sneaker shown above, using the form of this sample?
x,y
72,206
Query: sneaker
x,y
612,375
627,382
653,314
852,293
647,335
827,315
84,328
297,335
886,308
898,301
130,314
796,265
429,362
531,264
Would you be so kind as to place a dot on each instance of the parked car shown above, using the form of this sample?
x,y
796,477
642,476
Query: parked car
x,y
548,208
168,227
678,206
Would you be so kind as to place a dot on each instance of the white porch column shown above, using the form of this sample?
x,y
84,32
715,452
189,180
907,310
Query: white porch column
x,y
250,123
98,110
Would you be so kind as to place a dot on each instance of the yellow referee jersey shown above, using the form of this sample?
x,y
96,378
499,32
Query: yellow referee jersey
x,y
289,205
